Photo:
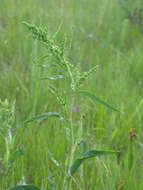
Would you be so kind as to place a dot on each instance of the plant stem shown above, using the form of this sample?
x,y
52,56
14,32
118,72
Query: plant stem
x,y
72,149
73,143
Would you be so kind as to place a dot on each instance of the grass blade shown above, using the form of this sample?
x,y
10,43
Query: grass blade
x,y
98,100
25,187
43,117
87,155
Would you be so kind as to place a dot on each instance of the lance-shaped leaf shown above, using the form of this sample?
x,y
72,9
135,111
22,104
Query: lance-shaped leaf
x,y
87,155
25,187
43,117
56,77
97,100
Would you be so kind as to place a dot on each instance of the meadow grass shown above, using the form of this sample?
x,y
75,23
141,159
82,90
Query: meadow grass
x,y
98,33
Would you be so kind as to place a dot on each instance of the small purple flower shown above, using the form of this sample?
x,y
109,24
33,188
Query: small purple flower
x,y
75,109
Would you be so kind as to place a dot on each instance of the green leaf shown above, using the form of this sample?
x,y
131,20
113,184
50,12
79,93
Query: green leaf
x,y
18,153
98,100
43,117
76,165
84,145
25,187
87,155
57,77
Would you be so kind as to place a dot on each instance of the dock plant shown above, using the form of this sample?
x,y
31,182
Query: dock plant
x,y
68,99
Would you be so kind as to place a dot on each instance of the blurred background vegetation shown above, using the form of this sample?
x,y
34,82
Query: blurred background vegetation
x,y
106,33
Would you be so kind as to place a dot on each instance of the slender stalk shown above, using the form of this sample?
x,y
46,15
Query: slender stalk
x,y
73,143
68,177
7,151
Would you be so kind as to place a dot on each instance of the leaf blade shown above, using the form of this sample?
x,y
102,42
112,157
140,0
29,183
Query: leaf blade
x,y
98,100
56,77
25,187
76,165
43,117
87,155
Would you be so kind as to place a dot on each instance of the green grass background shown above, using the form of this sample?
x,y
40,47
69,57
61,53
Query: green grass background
x,y
102,35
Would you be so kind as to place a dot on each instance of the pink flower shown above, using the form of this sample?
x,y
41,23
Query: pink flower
x,y
75,109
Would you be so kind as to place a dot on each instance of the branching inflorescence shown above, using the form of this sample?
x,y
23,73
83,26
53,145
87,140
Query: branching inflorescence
x,y
73,90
